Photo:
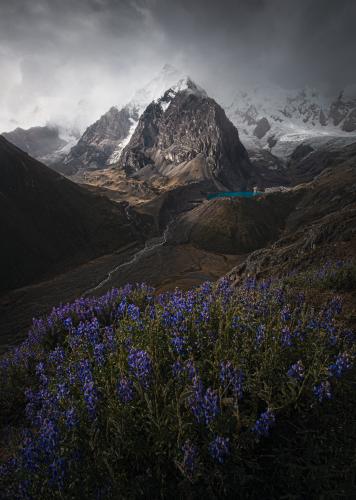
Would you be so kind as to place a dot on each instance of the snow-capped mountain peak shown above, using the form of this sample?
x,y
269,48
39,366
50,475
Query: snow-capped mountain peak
x,y
183,85
167,78
267,115
161,89
103,142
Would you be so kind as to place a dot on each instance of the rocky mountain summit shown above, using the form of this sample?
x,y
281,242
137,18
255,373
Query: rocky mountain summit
x,y
102,142
185,137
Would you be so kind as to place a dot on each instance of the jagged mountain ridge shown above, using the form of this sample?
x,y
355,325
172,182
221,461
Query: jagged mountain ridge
x,y
266,115
100,140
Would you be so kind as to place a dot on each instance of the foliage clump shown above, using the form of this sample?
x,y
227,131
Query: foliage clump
x,y
133,394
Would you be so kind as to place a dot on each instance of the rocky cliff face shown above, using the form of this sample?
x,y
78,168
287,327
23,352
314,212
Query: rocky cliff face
x,y
101,140
185,137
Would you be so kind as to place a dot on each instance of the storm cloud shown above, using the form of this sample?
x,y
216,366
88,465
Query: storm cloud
x,y
66,61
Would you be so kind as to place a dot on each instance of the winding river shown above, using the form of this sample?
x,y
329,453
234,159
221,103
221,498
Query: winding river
x,y
150,245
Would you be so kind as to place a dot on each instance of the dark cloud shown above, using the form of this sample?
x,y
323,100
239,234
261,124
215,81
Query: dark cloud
x,y
65,58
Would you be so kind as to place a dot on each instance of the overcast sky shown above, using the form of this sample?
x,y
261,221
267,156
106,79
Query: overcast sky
x,y
68,61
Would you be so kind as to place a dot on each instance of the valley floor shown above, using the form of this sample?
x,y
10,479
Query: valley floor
x,y
165,268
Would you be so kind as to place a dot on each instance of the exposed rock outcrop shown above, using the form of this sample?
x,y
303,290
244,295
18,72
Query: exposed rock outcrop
x,y
262,127
100,140
349,124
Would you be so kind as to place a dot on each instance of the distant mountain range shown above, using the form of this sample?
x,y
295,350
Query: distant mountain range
x,y
267,117
48,144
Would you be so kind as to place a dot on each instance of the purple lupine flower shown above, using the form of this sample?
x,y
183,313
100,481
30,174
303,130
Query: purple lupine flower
x,y
204,313
190,457
332,336
62,391
57,472
265,285
85,376
219,449
280,296
250,283
121,308
152,312
40,372
335,305
285,314
196,399
90,396
203,403
68,324
235,322
264,423
99,354
48,437
349,336
341,364
140,366
224,289
210,405
125,390
297,371
71,419
57,356
71,374
133,312
29,454
206,288
178,344
300,299
313,324
109,338
231,377
92,329
191,370
40,368
322,391
286,337
177,369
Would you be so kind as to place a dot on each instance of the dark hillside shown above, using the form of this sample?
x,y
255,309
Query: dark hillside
x,y
49,224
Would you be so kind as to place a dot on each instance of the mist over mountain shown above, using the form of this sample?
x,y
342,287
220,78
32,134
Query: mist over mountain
x,y
65,63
